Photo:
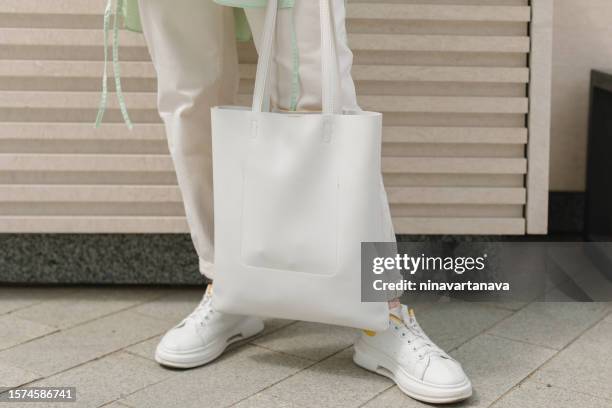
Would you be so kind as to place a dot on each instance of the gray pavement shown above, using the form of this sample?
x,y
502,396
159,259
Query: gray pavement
x,y
101,340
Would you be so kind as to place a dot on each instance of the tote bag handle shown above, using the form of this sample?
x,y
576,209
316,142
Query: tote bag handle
x,y
329,75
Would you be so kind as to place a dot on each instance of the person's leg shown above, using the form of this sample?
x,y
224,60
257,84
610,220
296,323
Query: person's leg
x,y
192,46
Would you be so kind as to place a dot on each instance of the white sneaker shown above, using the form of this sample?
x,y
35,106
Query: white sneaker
x,y
203,336
406,355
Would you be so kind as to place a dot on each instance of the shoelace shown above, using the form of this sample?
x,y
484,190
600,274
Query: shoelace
x,y
202,312
415,336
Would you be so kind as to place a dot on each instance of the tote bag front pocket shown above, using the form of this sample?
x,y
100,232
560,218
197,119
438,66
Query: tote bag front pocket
x,y
290,203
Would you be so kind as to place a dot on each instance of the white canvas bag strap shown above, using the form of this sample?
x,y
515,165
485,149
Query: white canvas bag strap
x,y
329,72
330,83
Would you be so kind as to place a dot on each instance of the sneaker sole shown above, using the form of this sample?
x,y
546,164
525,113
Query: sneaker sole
x,y
372,360
211,352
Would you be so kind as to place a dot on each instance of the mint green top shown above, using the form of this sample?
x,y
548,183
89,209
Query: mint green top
x,y
243,32
128,10
253,3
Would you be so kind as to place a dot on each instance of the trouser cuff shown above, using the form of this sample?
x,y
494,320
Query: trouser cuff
x,y
207,268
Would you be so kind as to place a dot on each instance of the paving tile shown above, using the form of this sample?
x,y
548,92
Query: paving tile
x,y
421,301
105,380
528,394
13,376
17,297
495,365
452,324
14,330
550,324
59,351
272,325
116,404
235,376
571,262
173,306
585,276
85,304
333,382
584,366
536,395
309,340
514,306
266,401
394,398
594,285
145,349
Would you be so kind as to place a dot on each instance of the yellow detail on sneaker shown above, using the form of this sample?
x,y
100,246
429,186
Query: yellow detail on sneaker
x,y
397,319
411,312
370,333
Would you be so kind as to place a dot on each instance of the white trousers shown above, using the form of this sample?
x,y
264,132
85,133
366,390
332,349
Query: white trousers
x,y
192,47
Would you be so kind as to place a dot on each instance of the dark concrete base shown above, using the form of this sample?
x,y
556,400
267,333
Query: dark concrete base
x,y
98,259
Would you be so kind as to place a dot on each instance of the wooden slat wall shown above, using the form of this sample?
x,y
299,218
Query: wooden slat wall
x,y
451,77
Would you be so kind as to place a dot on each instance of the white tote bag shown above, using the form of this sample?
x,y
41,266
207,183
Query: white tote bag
x,y
295,194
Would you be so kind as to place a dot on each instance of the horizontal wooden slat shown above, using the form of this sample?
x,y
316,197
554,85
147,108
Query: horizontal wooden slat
x,y
49,69
424,73
454,165
86,162
355,10
109,178
456,150
119,193
448,43
79,131
438,210
455,195
435,104
64,37
118,131
444,104
74,7
439,74
73,100
438,12
87,194
389,42
70,69
408,134
464,226
89,224
454,180
169,224
90,162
